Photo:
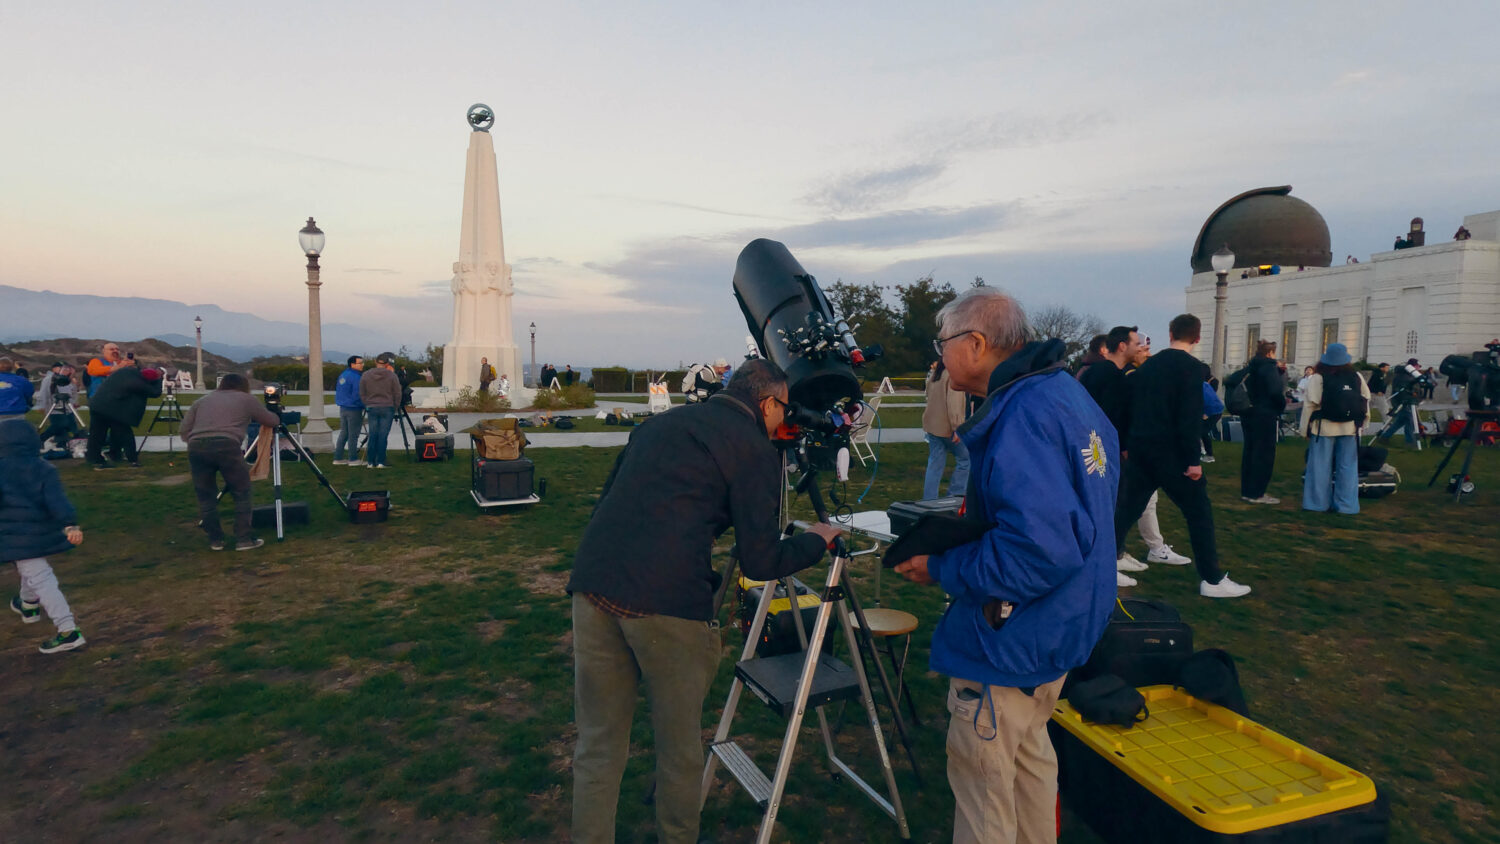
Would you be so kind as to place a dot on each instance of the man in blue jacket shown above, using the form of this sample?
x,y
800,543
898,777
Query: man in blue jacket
x,y
1032,596
351,413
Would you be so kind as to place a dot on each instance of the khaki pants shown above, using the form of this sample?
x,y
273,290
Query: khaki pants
x,y
677,659
1003,775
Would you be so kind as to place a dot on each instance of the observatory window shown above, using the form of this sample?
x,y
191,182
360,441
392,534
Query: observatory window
x,y
1411,342
1252,336
1330,332
1289,342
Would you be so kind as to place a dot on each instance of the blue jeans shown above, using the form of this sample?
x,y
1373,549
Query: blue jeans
x,y
938,449
380,419
1403,417
1332,477
351,419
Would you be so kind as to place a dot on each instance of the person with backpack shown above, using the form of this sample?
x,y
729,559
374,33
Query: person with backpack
x,y
36,520
1258,396
1334,408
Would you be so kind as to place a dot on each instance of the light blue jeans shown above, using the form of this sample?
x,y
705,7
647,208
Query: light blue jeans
x,y
938,449
1332,477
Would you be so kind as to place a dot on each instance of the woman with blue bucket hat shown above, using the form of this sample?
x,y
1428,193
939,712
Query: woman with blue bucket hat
x,y
1335,407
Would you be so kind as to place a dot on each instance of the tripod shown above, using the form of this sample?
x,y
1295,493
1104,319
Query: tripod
x,y
789,683
275,445
1472,425
1404,413
62,407
168,411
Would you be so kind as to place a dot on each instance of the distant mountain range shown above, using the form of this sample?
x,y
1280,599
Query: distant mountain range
x,y
43,314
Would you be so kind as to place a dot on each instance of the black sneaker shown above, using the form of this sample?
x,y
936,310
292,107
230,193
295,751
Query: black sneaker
x,y
30,612
135,464
248,544
102,465
63,642
216,544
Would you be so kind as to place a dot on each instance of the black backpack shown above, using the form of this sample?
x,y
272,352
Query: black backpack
x,y
1342,400
1237,399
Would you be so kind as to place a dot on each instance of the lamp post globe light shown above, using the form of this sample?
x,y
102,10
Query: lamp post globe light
x,y
198,327
1222,262
532,369
316,435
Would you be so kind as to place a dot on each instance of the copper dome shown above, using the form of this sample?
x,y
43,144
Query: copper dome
x,y
1265,226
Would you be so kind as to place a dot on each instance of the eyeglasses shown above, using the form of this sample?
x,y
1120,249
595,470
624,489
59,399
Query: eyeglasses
x,y
783,404
937,345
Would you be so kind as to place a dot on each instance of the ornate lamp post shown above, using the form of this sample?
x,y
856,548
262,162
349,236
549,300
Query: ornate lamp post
x,y
532,369
198,326
315,434
1223,262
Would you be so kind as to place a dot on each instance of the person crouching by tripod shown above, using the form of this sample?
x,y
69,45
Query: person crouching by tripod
x,y
36,520
116,408
213,428
643,590
380,390
351,413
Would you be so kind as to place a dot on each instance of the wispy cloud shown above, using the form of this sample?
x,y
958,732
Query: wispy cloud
x,y
1353,77
668,203
375,270
924,153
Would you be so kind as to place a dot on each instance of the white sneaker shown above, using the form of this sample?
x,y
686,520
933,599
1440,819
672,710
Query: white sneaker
x,y
1122,579
1128,563
1264,499
1167,557
1207,458
1225,588
379,466
353,463
341,463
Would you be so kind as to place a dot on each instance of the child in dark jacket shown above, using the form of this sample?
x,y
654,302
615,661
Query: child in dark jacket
x,y
36,520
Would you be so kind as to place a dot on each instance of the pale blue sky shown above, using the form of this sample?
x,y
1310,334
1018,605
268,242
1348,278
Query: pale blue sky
x,y
1066,152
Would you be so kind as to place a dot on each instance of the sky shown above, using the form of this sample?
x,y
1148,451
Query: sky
x,y
1068,153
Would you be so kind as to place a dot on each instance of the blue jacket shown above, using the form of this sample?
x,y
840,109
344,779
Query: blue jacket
x,y
15,393
346,390
1211,402
1045,459
33,508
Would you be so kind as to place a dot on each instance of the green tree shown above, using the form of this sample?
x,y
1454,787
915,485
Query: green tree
x,y
920,302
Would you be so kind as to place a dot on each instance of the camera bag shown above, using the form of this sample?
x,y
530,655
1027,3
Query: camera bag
x,y
506,480
1145,644
1108,699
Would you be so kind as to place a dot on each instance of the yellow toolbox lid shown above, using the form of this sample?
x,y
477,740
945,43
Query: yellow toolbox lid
x,y
1221,770
780,605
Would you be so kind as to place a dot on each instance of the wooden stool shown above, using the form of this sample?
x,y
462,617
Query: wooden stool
x,y
886,624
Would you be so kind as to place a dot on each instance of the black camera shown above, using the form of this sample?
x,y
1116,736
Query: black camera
x,y
1480,372
274,394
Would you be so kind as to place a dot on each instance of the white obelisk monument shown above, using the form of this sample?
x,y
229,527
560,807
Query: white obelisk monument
x,y
481,279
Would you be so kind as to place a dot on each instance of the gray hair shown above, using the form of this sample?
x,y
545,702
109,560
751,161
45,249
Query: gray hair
x,y
755,380
987,311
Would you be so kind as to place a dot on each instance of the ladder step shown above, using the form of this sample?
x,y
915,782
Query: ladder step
x,y
773,679
744,769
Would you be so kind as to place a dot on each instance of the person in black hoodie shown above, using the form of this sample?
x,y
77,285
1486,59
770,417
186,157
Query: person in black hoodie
x,y
643,588
1264,382
1166,420
36,520
116,408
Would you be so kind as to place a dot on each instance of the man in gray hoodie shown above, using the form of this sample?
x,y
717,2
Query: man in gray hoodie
x,y
213,429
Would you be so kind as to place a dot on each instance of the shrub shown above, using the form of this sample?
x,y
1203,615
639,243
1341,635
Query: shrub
x,y
611,379
470,400
566,398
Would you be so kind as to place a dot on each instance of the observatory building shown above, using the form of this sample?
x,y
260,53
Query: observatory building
x,y
1424,300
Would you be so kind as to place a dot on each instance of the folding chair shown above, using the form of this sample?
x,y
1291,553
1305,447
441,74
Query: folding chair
x,y
859,433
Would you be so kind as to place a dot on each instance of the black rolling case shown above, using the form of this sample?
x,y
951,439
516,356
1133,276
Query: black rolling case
x,y
292,513
434,447
1144,643
506,480
1378,484
904,514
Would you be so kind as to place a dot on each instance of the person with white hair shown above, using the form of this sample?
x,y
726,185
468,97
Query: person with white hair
x,y
1044,460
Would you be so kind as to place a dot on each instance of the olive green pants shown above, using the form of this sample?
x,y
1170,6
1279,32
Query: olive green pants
x,y
677,659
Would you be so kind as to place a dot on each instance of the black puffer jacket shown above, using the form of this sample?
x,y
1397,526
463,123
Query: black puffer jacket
x,y
33,508
1267,386
123,394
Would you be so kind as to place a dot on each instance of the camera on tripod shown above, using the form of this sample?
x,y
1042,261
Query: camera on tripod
x,y
273,394
1480,372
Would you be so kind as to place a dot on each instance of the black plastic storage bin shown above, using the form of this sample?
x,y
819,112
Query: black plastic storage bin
x,y
434,446
506,480
368,507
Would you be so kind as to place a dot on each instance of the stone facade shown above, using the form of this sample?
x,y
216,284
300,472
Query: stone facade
x,y
1426,302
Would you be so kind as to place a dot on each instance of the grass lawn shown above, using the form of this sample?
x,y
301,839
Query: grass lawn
x,y
412,680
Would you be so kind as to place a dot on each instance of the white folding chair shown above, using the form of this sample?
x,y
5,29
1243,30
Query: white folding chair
x,y
859,441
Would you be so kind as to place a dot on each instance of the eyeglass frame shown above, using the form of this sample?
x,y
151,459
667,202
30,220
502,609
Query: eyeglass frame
x,y
937,342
